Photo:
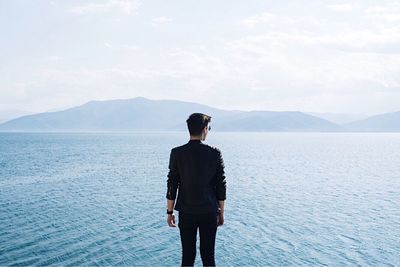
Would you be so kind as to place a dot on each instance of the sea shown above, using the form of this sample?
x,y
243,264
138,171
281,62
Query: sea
x,y
293,199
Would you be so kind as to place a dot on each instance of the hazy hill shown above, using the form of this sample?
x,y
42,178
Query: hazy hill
x,y
9,114
275,121
338,118
387,122
142,114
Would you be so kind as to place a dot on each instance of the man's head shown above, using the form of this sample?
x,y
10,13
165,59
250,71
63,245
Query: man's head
x,y
198,125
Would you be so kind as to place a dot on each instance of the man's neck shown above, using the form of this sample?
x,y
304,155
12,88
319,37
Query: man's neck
x,y
195,140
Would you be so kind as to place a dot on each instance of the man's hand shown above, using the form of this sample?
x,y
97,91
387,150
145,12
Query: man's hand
x,y
171,220
220,219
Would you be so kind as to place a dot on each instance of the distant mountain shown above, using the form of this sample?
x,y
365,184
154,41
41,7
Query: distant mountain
x,y
142,114
388,122
339,118
275,121
9,114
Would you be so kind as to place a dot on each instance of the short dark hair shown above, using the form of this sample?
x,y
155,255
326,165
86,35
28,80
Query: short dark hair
x,y
196,122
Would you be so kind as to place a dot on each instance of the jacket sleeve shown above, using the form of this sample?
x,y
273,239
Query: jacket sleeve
x,y
173,177
221,179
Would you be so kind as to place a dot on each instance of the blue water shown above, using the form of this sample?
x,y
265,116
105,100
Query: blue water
x,y
292,199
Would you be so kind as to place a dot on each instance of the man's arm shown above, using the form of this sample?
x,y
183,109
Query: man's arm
x,y
221,182
172,181
221,204
172,184
170,204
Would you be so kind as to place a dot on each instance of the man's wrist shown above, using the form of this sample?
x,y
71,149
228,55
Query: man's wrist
x,y
170,212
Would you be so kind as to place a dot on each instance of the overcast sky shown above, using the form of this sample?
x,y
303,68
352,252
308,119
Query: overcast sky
x,y
312,56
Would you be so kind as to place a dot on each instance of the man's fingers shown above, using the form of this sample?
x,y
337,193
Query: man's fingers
x,y
171,222
220,220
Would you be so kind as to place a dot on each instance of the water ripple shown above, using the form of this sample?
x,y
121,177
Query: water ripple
x,y
294,199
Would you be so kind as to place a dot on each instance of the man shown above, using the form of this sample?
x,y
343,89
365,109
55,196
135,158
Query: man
x,y
197,169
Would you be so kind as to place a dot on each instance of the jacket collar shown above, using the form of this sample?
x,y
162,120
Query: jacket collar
x,y
194,141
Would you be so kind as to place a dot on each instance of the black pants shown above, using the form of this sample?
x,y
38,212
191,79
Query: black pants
x,y
207,224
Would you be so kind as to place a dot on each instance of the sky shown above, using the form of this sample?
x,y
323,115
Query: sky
x,y
311,56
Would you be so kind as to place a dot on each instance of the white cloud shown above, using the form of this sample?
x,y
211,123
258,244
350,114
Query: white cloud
x,y
289,55
297,55
158,21
54,58
253,21
389,13
105,6
123,47
343,7
291,30
51,88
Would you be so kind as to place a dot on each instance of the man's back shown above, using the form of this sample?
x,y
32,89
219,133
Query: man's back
x,y
196,172
197,169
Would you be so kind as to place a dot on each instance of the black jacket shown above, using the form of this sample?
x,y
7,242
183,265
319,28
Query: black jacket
x,y
196,171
